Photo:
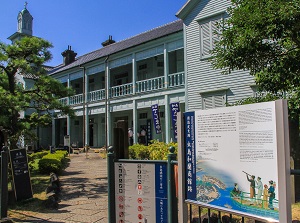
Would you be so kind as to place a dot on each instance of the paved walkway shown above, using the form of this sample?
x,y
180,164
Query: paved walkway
x,y
84,193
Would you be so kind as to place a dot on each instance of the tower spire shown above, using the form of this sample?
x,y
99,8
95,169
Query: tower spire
x,y
25,20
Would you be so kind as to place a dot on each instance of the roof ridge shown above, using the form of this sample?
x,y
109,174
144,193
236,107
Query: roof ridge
x,y
117,42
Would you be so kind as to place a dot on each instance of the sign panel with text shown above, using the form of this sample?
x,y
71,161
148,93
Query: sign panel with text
x,y
141,192
232,159
21,175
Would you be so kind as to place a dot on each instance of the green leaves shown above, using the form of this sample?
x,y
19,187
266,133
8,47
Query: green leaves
x,y
27,103
263,36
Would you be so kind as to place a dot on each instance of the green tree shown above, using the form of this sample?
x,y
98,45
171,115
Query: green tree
x,y
263,36
27,57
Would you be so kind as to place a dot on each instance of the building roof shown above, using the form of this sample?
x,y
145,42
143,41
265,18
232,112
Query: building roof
x,y
144,37
185,10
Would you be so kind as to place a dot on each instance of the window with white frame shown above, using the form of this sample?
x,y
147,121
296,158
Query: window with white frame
x,y
214,99
209,34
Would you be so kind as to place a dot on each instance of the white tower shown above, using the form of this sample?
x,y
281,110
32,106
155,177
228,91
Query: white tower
x,y
24,25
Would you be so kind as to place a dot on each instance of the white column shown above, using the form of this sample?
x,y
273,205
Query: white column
x,y
53,132
166,65
107,107
135,120
167,120
134,73
86,110
68,117
87,124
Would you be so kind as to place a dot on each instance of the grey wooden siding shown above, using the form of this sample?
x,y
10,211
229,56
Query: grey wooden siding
x,y
201,77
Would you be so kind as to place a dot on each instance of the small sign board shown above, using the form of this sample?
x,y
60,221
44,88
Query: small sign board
x,y
141,192
21,175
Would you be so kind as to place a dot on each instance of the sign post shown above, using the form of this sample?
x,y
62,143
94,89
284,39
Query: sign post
x,y
21,175
141,192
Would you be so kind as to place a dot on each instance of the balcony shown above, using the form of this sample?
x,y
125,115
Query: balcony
x,y
176,80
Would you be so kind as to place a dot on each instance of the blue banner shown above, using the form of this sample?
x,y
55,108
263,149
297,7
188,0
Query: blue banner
x,y
161,193
190,146
175,108
156,118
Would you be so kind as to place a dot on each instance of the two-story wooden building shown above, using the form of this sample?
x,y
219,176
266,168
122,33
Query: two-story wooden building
x,y
121,81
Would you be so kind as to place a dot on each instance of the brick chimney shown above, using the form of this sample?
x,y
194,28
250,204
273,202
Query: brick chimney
x,y
68,56
108,42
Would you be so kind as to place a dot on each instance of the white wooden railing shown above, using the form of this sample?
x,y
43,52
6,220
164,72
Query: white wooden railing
x,y
96,95
143,86
64,101
150,84
121,90
176,80
76,99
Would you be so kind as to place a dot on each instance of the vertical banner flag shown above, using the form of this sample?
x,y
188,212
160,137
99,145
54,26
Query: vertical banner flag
x,y
174,109
156,118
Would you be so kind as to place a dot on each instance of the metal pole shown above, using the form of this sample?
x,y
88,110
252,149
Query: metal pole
x,y
111,185
4,183
172,199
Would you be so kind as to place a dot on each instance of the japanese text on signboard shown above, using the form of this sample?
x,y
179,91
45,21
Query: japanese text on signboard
x,y
156,118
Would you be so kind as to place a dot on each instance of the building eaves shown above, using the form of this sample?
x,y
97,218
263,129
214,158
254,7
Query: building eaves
x,y
144,37
185,10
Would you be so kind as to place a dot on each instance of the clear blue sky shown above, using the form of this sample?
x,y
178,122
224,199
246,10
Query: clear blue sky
x,y
85,24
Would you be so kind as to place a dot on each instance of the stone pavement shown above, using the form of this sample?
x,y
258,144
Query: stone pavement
x,y
84,193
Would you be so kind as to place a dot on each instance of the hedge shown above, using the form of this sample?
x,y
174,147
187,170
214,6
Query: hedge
x,y
53,162
156,150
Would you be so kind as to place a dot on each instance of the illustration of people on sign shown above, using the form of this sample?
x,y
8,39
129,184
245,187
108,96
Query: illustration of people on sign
x,y
271,192
259,187
251,179
265,196
236,191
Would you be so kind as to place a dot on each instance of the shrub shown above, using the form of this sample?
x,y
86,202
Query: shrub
x,y
52,163
154,151
37,155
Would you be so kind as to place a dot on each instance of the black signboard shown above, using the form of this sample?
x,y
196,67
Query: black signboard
x,y
21,175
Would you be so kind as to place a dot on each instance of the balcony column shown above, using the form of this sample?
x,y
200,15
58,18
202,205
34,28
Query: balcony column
x,y
107,107
135,120
68,117
167,119
166,65
134,74
86,109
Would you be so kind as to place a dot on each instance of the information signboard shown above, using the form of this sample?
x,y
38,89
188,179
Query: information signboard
x,y
235,159
21,175
141,192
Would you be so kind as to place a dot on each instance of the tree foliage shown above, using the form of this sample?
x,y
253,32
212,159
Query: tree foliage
x,y
263,36
26,58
